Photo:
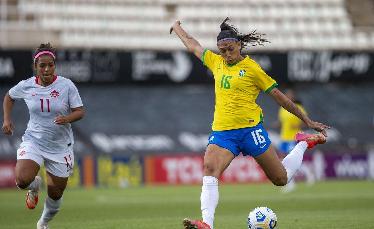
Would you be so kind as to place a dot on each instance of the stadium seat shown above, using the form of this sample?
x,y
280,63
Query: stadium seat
x,y
137,20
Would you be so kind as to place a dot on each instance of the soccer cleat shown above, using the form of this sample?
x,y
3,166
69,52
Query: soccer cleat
x,y
41,225
195,224
31,199
32,196
311,139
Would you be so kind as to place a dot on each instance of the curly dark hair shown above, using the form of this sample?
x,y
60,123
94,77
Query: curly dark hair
x,y
230,31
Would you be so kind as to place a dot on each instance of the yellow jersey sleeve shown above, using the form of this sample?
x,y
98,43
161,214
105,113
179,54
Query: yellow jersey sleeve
x,y
263,80
210,59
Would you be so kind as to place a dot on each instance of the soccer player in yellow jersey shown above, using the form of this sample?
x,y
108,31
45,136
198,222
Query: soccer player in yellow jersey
x,y
237,126
290,125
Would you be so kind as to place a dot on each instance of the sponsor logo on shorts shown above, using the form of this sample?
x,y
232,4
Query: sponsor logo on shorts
x,y
69,163
23,152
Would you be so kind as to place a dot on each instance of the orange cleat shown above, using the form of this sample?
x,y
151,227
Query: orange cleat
x,y
32,195
311,139
195,224
31,199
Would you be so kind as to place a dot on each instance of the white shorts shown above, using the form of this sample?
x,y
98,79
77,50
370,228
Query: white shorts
x,y
58,164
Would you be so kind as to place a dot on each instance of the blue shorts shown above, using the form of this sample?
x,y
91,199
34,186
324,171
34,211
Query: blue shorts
x,y
251,141
286,146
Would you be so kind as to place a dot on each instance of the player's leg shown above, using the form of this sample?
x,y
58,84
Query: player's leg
x,y
59,167
293,161
26,171
282,172
216,160
27,168
56,186
284,148
272,166
256,143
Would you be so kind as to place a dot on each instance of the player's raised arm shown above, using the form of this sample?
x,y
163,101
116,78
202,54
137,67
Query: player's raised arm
x,y
287,104
7,109
191,43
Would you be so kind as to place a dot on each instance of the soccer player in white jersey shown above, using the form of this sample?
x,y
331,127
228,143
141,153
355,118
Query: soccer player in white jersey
x,y
53,103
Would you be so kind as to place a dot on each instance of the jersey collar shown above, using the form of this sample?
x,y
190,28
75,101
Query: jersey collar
x,y
231,65
37,79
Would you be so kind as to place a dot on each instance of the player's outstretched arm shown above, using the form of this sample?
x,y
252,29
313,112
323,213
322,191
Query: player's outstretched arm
x,y
291,107
191,43
7,109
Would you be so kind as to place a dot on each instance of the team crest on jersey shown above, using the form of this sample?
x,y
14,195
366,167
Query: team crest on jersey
x,y
241,73
54,94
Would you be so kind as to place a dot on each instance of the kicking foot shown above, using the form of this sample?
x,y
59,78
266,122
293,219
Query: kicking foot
x,y
41,225
195,224
32,196
311,139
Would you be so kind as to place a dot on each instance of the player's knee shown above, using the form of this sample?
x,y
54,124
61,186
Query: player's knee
x,y
22,182
279,180
209,169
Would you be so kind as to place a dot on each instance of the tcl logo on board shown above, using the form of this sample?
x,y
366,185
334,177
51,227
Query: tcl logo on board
x,y
185,170
189,170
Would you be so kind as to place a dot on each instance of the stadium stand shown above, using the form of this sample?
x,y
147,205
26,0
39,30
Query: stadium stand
x,y
143,24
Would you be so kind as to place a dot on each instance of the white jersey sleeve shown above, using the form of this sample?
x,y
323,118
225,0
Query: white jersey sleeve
x,y
74,97
18,91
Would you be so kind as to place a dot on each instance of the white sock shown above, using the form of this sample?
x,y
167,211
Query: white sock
x,y
292,162
35,184
289,187
51,207
209,199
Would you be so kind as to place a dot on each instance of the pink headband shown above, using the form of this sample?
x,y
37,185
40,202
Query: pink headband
x,y
43,53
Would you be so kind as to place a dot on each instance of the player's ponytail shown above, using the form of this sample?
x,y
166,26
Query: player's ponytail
x,y
230,32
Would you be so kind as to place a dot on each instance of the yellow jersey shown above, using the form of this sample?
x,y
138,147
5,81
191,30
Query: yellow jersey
x,y
236,90
290,124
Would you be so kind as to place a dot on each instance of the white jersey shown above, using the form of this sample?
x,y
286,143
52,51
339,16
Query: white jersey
x,y
45,104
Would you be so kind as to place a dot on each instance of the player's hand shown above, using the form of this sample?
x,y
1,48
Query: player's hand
x,y
61,120
7,127
176,23
320,127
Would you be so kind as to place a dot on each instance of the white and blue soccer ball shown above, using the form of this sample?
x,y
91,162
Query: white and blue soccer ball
x,y
262,218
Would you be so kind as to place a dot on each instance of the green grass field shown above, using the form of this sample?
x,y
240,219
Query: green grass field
x,y
347,204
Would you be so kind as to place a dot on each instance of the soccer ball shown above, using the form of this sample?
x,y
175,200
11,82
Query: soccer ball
x,y
262,218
